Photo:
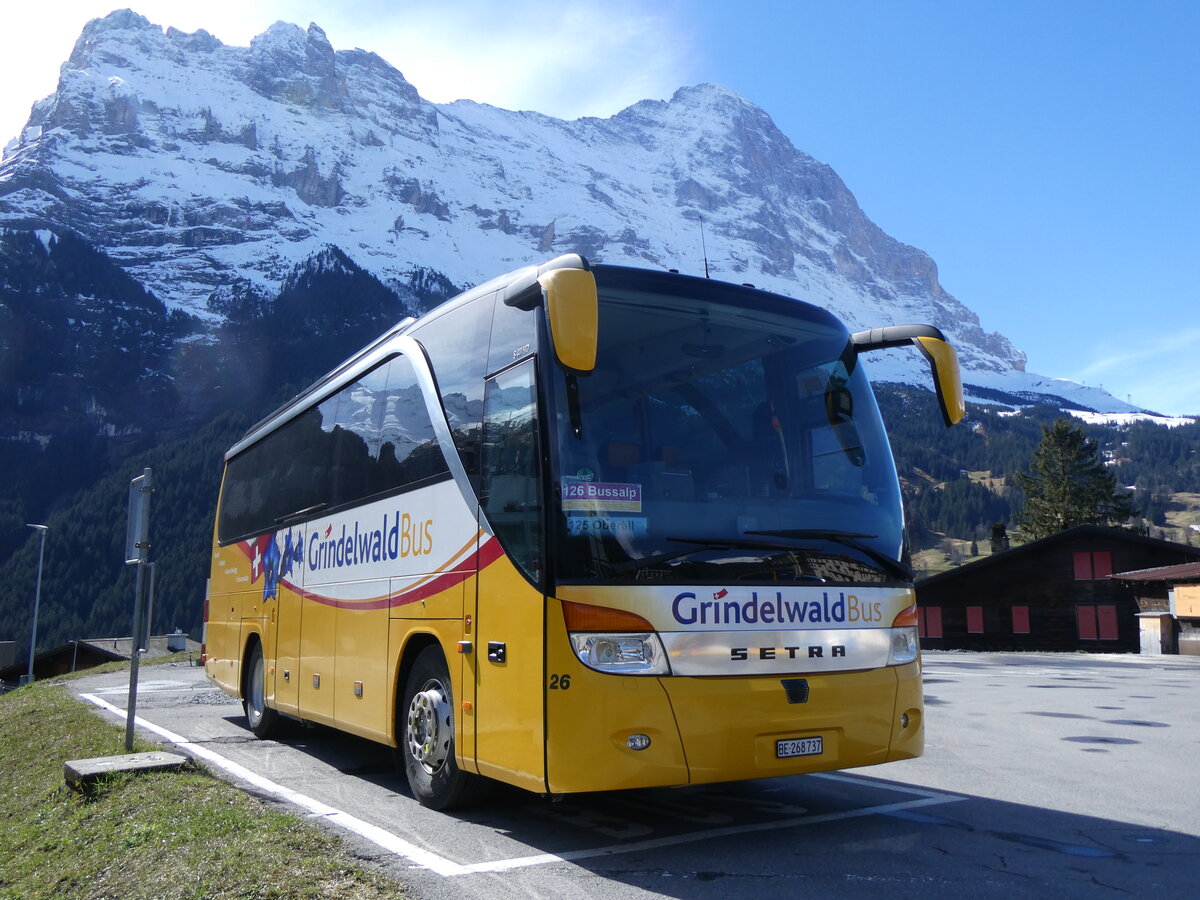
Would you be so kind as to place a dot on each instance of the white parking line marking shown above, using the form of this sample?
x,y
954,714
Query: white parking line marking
x,y
373,833
930,799
448,868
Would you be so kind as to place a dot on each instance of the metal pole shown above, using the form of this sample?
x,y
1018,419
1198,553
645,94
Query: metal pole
x,y
37,601
135,655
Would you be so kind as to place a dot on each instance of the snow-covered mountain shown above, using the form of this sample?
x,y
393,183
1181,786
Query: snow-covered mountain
x,y
210,172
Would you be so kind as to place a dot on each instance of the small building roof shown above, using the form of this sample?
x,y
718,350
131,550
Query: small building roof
x,y
1187,572
1000,559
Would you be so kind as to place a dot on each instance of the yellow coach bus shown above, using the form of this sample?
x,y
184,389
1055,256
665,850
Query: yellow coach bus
x,y
582,528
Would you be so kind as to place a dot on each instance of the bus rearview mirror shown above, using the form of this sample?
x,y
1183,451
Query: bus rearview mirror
x,y
572,308
943,361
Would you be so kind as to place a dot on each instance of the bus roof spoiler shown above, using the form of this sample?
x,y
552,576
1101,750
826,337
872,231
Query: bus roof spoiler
x,y
943,361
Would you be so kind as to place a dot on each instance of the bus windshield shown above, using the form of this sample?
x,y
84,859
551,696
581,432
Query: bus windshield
x,y
725,434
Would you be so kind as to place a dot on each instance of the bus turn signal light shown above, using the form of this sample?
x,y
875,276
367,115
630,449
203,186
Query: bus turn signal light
x,y
584,617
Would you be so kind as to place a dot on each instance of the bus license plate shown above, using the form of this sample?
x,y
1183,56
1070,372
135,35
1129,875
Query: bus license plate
x,y
809,746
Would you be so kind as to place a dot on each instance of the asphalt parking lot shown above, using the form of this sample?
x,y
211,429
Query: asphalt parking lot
x,y
1044,774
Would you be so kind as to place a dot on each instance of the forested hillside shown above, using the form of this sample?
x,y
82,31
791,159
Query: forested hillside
x,y
958,482
87,590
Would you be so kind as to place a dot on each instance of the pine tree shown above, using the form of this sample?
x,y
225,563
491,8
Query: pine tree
x,y
1068,485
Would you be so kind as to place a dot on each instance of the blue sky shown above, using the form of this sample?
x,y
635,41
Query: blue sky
x,y
1044,154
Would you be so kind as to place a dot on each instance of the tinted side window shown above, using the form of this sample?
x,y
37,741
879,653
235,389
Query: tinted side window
x,y
408,448
456,343
285,473
372,437
381,435
512,494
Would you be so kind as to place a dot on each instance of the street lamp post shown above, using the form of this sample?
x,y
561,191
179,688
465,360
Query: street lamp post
x,y
37,601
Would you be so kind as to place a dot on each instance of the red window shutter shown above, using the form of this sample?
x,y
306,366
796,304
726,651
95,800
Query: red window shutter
x,y
1083,567
1107,619
1086,617
975,619
921,622
1020,617
933,621
1102,564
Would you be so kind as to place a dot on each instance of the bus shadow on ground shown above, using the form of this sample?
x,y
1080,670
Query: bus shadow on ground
x,y
828,835
855,836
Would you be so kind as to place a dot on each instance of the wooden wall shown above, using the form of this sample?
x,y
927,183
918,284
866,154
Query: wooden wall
x,y
1042,576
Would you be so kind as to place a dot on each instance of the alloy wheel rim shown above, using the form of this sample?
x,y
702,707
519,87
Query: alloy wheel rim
x,y
429,727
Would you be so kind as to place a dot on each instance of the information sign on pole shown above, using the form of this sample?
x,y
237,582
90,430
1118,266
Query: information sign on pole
x,y
137,532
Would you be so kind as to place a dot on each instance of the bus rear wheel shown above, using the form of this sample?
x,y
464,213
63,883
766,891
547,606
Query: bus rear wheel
x,y
425,737
264,721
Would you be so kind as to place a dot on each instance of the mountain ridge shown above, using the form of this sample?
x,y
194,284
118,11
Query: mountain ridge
x,y
205,170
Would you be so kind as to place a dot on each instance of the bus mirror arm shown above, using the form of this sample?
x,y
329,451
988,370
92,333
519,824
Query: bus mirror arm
x,y
526,292
943,361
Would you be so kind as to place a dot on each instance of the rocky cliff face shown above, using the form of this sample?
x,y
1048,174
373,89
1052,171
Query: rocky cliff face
x,y
209,172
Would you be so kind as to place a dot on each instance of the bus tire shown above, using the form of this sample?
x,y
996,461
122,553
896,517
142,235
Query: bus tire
x,y
264,721
425,736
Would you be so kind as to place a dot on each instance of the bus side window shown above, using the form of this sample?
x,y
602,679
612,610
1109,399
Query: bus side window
x,y
409,451
354,429
380,437
288,471
511,495
456,343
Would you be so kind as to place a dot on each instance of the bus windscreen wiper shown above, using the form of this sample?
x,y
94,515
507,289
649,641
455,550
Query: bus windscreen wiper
x,y
633,565
702,544
847,539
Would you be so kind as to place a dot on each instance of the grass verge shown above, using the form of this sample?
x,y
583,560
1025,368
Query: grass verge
x,y
164,835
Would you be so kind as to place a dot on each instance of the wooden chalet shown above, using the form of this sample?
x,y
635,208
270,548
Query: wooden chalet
x,y
1051,594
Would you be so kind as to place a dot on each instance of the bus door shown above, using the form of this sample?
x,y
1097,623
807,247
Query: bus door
x,y
283,630
510,611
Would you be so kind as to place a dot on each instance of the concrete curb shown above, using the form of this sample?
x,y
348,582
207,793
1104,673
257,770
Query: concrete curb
x,y
82,772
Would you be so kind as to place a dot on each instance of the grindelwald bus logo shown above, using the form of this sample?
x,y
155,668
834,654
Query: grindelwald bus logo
x,y
772,609
391,537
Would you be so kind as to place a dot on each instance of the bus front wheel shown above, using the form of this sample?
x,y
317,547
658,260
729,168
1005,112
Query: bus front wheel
x,y
425,736
264,721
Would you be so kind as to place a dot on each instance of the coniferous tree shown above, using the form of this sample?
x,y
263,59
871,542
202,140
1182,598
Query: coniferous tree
x,y
1068,485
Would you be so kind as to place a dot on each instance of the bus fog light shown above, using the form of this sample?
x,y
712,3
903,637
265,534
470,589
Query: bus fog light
x,y
904,720
638,741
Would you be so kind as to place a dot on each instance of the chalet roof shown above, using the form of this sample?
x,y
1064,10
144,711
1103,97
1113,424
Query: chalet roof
x,y
66,650
1184,573
110,649
1063,537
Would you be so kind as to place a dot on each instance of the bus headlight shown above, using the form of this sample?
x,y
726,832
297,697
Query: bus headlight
x,y
904,646
622,654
